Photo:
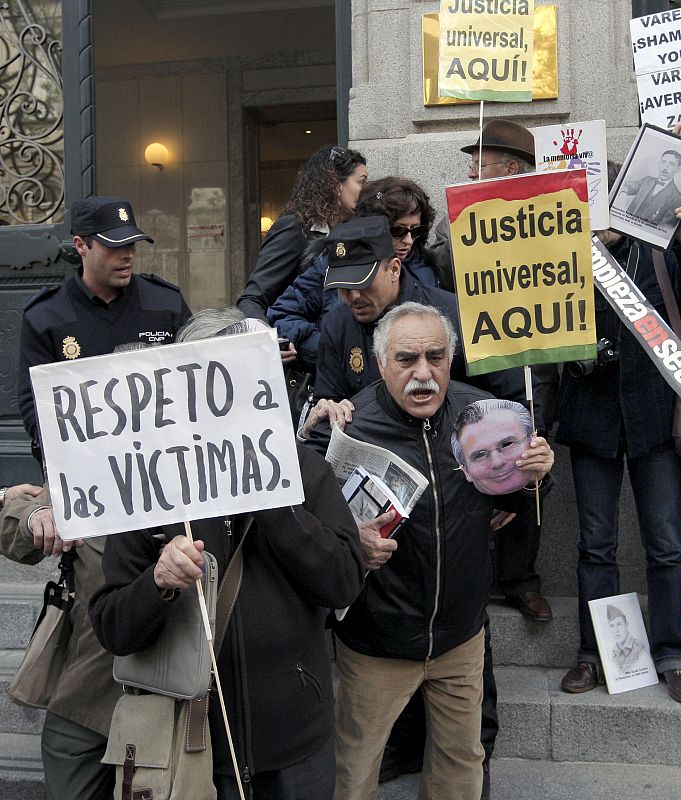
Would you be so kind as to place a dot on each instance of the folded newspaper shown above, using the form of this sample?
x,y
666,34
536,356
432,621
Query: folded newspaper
x,y
345,453
352,460
369,497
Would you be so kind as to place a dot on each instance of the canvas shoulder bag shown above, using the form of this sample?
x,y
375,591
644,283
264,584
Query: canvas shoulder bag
x,y
45,655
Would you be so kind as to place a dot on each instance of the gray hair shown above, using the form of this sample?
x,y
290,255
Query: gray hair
x,y
208,323
409,309
523,165
477,411
126,347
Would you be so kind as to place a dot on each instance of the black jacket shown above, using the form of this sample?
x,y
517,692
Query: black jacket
x,y
430,596
281,258
627,403
346,363
273,665
68,321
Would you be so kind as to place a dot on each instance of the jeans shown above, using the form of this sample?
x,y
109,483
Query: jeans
x,y
656,483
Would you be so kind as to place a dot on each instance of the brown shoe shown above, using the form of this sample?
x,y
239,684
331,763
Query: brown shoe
x,y
673,678
531,605
582,678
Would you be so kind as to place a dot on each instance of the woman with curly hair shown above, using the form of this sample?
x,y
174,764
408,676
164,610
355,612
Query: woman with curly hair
x,y
325,193
298,313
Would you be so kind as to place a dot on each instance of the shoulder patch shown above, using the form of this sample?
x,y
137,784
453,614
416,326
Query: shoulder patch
x,y
158,280
43,294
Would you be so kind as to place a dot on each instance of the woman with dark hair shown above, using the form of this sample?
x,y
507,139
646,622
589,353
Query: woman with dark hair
x,y
298,313
325,193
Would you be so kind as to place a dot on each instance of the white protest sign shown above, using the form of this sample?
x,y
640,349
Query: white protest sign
x,y
656,42
167,434
579,145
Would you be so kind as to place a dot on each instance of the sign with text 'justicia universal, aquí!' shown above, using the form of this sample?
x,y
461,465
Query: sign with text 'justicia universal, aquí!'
x,y
522,262
167,434
486,50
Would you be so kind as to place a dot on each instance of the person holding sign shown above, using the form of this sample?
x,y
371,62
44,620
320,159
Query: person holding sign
x,y
274,667
103,305
418,624
614,407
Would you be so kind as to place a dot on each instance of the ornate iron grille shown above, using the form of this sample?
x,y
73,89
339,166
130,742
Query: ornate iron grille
x,y
31,113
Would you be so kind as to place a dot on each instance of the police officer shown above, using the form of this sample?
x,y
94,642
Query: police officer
x,y
103,305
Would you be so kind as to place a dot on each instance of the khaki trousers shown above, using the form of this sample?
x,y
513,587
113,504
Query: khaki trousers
x,y
372,693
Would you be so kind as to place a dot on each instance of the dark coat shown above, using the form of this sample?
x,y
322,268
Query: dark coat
x,y
430,596
625,404
273,665
280,260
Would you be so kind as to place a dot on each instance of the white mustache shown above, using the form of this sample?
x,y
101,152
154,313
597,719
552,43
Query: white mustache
x,y
421,386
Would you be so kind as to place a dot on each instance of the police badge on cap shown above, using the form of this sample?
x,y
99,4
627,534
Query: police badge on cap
x,y
109,220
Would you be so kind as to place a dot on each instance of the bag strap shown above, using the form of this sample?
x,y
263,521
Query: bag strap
x,y
66,571
667,292
230,587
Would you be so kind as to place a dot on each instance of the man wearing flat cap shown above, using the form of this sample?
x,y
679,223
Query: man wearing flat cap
x,y
103,305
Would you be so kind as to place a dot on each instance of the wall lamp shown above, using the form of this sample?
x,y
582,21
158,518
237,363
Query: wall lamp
x,y
157,155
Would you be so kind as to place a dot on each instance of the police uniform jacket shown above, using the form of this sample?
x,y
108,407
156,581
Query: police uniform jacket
x,y
67,322
274,666
297,314
346,363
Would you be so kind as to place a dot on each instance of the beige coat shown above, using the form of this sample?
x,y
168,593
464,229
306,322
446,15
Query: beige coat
x,y
85,691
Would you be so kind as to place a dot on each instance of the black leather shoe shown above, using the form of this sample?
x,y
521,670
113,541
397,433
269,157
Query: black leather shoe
x,y
531,605
582,678
673,678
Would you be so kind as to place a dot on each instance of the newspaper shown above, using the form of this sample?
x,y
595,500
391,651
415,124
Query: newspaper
x,y
345,453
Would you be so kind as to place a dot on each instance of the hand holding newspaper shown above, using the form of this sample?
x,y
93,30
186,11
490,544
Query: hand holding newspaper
x,y
374,480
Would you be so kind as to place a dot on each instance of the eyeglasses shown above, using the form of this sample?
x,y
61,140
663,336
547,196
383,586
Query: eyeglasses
x,y
476,167
400,231
508,447
336,152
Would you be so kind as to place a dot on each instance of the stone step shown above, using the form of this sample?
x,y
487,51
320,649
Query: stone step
x,y
20,604
520,779
21,768
539,721
517,641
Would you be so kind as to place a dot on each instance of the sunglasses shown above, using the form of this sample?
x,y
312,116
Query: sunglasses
x,y
336,152
400,231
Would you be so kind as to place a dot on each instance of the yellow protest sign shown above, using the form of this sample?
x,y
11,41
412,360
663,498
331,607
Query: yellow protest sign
x,y
486,49
523,269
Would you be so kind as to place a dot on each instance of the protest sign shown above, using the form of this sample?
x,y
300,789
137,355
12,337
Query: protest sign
x,y
522,260
486,49
641,319
656,41
579,146
646,193
168,434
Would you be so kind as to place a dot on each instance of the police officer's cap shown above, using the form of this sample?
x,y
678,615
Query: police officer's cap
x,y
355,250
109,220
